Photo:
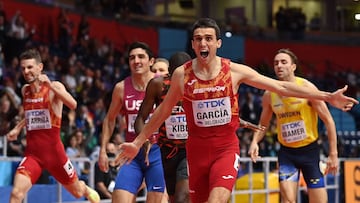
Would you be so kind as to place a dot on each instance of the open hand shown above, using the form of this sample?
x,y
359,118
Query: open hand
x,y
340,101
128,151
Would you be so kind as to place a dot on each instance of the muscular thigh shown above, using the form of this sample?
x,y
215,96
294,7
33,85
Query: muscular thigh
x,y
129,177
154,173
30,167
211,167
224,170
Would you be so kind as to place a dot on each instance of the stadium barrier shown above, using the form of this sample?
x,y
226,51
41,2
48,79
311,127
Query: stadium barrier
x,y
252,186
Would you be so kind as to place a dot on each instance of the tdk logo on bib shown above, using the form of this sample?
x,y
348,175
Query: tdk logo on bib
x,y
291,126
211,104
175,119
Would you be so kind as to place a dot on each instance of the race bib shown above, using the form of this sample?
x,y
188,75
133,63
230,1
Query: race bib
x,y
131,122
212,112
293,132
176,127
38,119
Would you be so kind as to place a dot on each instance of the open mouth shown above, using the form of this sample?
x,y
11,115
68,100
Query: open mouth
x,y
204,54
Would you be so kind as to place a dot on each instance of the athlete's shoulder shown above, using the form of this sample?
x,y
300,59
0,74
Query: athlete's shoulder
x,y
304,82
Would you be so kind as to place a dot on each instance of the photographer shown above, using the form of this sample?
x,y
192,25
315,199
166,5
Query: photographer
x,y
105,181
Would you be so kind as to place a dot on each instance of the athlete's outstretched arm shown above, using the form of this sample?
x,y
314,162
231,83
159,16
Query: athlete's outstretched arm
x,y
247,75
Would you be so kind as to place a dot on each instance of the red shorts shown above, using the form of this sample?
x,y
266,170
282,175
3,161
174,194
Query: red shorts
x,y
212,163
63,171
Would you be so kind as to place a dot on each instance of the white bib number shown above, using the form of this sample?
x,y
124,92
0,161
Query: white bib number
x,y
212,112
38,119
293,132
176,127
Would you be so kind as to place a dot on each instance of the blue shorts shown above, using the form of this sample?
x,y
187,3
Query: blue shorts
x,y
305,159
131,176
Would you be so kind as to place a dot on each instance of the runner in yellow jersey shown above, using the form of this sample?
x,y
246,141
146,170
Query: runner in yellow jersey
x,y
297,126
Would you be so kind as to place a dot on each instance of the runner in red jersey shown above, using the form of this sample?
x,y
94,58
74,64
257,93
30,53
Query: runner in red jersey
x,y
211,109
43,103
210,119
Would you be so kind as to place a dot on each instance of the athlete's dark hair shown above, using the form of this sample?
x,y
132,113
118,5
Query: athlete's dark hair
x,y
177,60
206,23
30,54
293,57
141,45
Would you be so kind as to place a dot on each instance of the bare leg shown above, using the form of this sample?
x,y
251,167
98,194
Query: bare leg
x,y
123,196
22,185
219,195
182,192
165,198
317,195
79,189
288,190
154,197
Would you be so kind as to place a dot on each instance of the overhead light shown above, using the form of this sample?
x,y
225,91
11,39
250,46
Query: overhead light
x,y
228,34
357,16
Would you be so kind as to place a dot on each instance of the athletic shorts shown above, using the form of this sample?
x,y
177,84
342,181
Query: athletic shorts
x,y
63,171
305,159
175,166
212,163
131,176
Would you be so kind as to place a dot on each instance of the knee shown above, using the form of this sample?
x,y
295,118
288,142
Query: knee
x,y
17,194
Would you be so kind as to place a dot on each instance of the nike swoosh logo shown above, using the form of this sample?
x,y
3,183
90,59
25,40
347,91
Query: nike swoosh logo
x,y
157,187
129,96
228,177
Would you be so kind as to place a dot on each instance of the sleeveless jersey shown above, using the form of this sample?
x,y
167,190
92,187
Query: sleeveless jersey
x,y
211,106
132,102
297,121
173,132
42,125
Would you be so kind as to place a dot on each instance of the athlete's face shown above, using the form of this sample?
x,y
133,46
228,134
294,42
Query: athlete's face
x,y
205,44
30,69
139,61
283,66
160,68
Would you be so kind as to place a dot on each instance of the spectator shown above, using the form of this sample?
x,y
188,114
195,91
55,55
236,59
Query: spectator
x,y
83,28
4,30
72,151
315,22
8,119
250,110
65,27
281,23
105,181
